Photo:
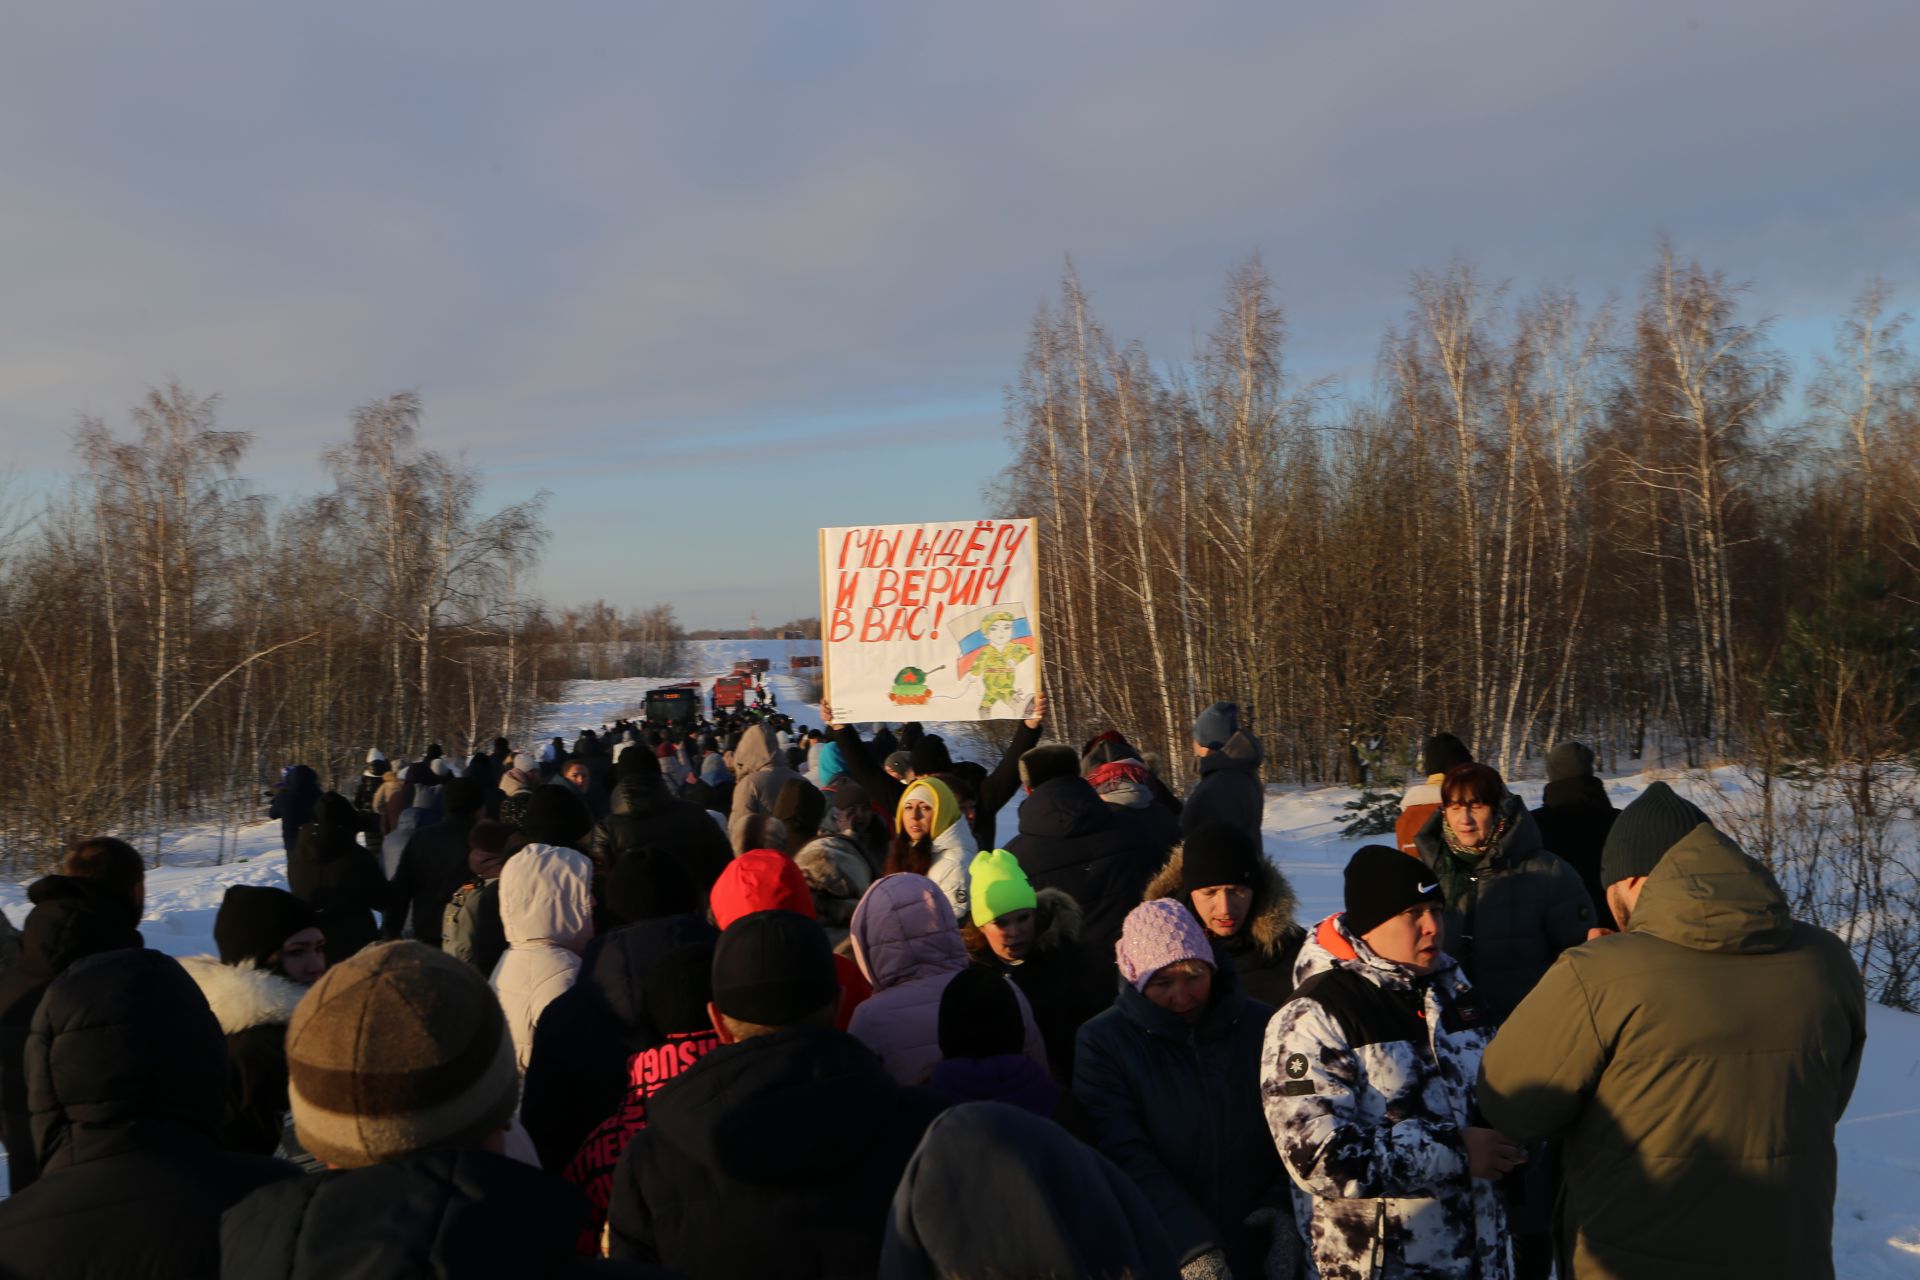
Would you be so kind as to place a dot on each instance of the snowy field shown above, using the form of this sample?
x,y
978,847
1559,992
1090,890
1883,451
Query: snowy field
x,y
1877,1214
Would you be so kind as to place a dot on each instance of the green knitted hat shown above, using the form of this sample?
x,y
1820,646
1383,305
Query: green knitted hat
x,y
999,886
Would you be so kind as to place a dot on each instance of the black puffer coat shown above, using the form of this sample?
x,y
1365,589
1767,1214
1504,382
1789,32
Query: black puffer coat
x,y
577,1074
294,803
72,918
332,872
1064,982
127,1071
777,1156
1519,908
432,866
1072,840
436,1213
1229,789
644,815
1176,1104
1574,818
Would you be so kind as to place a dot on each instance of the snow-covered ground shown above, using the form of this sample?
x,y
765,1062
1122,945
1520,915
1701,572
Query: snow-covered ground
x,y
1877,1213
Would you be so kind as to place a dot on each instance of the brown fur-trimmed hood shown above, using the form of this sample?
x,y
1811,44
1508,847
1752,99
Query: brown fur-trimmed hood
x,y
1060,922
1273,900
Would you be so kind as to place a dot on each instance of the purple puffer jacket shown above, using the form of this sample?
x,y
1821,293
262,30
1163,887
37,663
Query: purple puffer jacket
x,y
909,947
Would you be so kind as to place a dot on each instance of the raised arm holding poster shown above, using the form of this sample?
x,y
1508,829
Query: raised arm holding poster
x,y
930,621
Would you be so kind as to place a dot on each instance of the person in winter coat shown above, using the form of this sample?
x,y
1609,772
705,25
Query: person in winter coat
x,y
393,797
1441,753
1574,818
411,1123
851,814
1032,938
10,943
765,880
1073,841
393,845
470,927
93,905
546,908
1229,790
1695,1065
577,1071
644,816
1057,1207
522,774
293,802
271,951
370,782
1168,1077
127,1073
1367,1079
1243,902
981,1038
932,839
837,874
678,989
556,815
777,1153
909,946
1512,907
760,769
434,864
333,873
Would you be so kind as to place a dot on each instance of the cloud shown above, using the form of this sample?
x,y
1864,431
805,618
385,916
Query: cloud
x,y
607,235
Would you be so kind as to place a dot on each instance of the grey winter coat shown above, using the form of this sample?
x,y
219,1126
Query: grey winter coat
x,y
1521,908
760,769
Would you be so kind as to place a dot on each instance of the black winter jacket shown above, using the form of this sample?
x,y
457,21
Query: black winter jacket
x,y
1177,1105
1056,1207
435,1213
294,803
1229,789
645,815
331,871
127,1070
432,866
1065,983
1521,907
577,1074
777,1156
1072,840
71,918
1264,949
1574,818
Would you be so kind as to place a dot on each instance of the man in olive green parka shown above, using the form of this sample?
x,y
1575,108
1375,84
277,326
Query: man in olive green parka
x,y
1694,1066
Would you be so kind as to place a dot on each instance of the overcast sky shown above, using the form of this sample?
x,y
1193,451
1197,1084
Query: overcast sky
x,y
718,274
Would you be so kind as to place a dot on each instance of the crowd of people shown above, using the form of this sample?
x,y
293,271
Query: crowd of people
x,y
742,997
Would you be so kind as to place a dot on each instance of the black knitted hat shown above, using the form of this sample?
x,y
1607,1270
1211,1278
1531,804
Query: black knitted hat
x,y
1658,819
255,920
556,815
1381,883
979,1016
773,968
1218,854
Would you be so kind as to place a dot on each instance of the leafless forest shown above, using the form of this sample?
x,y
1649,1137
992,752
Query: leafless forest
x,y
1630,522
173,638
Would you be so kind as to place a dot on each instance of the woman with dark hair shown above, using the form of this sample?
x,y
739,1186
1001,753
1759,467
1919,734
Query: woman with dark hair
x,y
1511,909
931,838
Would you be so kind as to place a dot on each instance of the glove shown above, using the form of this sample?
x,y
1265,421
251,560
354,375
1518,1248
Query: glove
x,y
1286,1255
1211,1265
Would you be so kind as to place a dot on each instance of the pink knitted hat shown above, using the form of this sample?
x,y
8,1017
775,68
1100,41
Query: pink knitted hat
x,y
1157,934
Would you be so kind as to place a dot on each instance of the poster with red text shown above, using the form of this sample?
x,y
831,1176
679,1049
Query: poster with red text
x,y
930,621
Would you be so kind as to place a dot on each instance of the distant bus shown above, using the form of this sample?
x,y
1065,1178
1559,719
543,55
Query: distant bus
x,y
749,666
805,662
674,704
731,691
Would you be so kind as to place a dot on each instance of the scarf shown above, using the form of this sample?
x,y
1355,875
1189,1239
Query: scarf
x,y
1458,861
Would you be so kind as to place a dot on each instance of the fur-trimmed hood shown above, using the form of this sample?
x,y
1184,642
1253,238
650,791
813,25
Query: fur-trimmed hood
x,y
1271,915
243,996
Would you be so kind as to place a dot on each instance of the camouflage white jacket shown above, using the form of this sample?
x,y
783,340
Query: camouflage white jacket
x,y
1367,1077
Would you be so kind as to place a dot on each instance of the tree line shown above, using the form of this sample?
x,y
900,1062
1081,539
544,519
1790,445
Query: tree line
x,y
173,637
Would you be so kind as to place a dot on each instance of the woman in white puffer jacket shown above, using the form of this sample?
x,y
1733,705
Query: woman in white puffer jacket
x,y
932,838
546,908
